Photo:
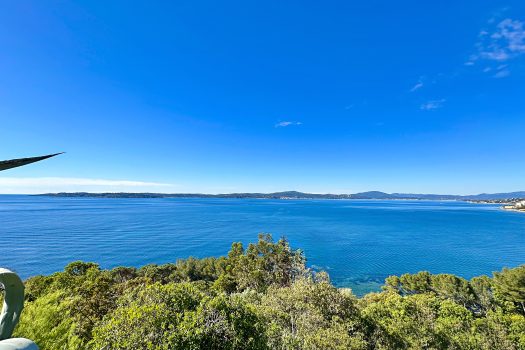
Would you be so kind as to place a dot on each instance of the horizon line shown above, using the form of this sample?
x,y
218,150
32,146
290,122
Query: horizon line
x,y
261,193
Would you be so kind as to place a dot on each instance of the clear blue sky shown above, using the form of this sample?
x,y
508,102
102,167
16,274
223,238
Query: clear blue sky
x,y
225,96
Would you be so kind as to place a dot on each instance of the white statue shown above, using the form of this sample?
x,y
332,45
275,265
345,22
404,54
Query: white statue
x,y
13,305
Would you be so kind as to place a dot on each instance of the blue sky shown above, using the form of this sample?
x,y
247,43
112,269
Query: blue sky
x,y
209,96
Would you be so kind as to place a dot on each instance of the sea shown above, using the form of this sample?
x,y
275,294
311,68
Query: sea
x,y
358,242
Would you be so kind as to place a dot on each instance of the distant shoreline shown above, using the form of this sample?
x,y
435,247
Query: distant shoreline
x,y
504,207
498,198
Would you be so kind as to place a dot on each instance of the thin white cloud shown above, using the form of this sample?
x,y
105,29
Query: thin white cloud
x,y
31,185
502,73
416,87
286,123
432,105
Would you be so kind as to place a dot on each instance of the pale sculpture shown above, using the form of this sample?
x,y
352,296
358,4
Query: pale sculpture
x,y
13,305
13,287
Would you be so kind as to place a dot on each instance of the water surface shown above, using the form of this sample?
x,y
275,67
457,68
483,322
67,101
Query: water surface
x,y
358,242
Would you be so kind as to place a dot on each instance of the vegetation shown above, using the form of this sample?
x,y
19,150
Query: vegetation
x,y
264,297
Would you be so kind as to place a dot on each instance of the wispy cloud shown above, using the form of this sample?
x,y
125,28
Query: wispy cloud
x,y
502,43
416,87
502,73
21,185
431,105
286,123
497,48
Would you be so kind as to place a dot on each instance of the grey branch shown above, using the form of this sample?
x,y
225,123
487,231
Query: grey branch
x,y
13,163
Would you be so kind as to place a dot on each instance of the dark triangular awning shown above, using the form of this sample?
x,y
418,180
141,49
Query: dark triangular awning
x,y
13,163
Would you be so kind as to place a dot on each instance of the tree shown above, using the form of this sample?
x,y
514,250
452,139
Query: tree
x,y
311,315
222,322
48,322
261,265
454,288
420,321
500,331
482,288
147,318
509,286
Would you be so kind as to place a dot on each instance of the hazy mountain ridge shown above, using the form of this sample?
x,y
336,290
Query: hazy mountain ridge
x,y
299,195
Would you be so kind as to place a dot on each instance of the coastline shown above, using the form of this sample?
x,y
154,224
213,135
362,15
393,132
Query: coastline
x,y
512,209
515,206
497,198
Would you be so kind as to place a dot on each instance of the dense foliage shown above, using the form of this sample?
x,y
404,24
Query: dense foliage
x,y
264,297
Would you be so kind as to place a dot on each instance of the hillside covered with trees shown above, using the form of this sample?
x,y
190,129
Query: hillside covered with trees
x,y
264,297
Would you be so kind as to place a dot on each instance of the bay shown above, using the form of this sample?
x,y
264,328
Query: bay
x,y
358,242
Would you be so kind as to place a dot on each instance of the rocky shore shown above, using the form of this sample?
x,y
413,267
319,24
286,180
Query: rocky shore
x,y
518,206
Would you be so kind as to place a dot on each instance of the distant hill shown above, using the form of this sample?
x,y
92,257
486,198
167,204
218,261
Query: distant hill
x,y
494,196
300,195
372,195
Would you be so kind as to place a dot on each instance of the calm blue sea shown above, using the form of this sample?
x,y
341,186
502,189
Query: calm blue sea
x,y
358,242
